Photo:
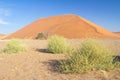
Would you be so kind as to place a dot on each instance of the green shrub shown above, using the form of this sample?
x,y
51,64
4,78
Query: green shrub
x,y
57,44
40,36
14,46
91,55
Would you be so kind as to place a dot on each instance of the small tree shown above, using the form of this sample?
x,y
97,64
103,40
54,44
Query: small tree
x,y
40,36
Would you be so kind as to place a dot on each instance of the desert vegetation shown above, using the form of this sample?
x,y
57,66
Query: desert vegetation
x,y
40,35
90,55
57,44
14,46
84,56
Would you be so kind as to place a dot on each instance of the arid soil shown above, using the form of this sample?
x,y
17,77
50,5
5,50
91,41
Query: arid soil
x,y
69,26
37,64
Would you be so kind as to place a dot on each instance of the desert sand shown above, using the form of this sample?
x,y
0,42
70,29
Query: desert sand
x,y
69,26
2,35
118,33
37,64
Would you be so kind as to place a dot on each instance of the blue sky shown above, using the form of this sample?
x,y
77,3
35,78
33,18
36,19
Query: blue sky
x,y
16,14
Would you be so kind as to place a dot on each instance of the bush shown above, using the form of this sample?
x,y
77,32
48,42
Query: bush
x,y
14,46
91,55
40,36
57,44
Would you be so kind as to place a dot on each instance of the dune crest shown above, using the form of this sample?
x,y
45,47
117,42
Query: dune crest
x,y
69,26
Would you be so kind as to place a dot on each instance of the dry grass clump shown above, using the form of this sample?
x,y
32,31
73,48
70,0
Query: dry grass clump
x,y
91,55
57,44
14,46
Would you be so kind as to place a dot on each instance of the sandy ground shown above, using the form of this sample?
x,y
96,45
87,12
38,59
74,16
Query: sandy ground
x,y
39,65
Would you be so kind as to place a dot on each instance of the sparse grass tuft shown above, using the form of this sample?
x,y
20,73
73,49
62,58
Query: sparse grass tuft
x,y
91,55
57,44
14,46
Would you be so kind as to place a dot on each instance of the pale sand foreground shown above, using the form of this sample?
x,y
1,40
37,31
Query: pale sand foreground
x,y
39,65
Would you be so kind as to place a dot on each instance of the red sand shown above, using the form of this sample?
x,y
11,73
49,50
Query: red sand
x,y
118,33
69,26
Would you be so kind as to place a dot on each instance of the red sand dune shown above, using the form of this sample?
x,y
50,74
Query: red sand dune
x,y
69,26
118,33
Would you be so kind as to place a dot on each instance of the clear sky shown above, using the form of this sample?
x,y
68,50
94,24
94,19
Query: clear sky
x,y
15,14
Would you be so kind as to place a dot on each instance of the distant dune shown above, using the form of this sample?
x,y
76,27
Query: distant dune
x,y
2,35
118,33
69,26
